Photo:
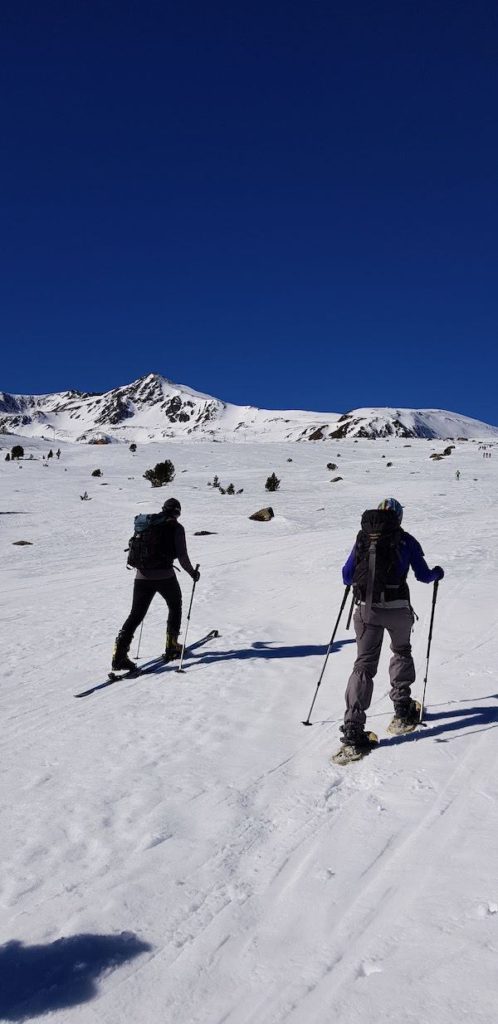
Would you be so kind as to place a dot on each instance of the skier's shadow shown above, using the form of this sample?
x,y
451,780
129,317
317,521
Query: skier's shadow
x,y
482,718
261,649
39,979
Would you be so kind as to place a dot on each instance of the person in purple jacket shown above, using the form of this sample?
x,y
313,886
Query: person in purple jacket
x,y
385,609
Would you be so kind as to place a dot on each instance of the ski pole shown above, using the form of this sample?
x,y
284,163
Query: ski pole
x,y
350,616
434,599
180,668
341,609
139,639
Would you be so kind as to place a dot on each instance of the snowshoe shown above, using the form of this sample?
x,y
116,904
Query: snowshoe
x,y
355,751
405,721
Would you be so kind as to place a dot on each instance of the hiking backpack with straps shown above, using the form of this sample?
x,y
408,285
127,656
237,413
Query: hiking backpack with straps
x,y
377,574
153,543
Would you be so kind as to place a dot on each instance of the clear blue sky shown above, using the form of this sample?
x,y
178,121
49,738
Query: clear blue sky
x,y
289,204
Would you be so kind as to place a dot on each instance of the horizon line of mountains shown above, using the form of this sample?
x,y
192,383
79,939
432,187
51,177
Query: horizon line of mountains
x,y
153,408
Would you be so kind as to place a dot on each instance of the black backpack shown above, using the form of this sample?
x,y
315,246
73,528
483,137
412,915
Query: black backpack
x,y
377,574
153,543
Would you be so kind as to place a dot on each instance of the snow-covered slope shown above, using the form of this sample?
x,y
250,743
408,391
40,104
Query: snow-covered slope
x,y
153,408
428,423
178,849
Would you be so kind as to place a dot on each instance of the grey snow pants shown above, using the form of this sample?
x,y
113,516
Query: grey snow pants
x,y
369,636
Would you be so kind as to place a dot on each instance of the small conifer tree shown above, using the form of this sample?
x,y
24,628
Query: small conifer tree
x,y
272,483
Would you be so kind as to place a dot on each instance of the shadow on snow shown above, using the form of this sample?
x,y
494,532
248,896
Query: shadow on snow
x,y
261,649
485,717
39,979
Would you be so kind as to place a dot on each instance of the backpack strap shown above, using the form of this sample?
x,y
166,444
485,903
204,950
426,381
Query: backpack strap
x,y
372,557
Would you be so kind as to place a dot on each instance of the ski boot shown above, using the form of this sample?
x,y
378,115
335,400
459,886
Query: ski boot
x,y
120,660
173,648
356,743
406,718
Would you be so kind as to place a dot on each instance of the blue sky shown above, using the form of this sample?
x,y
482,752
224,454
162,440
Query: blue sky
x,y
287,204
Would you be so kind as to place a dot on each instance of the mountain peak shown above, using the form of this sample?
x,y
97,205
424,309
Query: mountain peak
x,y
153,408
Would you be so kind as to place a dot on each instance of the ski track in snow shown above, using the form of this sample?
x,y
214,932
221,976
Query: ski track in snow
x,y
195,811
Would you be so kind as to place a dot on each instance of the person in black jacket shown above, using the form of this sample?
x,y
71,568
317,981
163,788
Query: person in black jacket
x,y
157,581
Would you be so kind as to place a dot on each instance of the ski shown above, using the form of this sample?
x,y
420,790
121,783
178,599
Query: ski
x,y
204,639
349,753
147,669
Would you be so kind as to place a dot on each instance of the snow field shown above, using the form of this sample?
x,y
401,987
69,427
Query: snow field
x,y
195,811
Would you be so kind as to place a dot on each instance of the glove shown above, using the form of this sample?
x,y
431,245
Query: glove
x,y
196,575
438,572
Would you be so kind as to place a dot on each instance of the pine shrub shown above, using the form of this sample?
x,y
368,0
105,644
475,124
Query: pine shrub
x,y
163,473
272,483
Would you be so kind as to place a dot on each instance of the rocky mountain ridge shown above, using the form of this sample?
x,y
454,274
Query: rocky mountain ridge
x,y
153,408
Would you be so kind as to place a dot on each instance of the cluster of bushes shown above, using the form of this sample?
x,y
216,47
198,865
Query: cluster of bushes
x,y
272,484
230,489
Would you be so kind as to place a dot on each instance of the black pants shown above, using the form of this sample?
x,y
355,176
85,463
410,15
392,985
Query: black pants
x,y
143,592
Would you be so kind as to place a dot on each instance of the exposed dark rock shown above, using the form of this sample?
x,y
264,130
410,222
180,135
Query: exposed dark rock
x,y
205,533
317,435
341,431
263,516
117,409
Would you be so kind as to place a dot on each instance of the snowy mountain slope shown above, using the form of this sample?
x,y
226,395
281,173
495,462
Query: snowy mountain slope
x,y
195,812
408,423
153,408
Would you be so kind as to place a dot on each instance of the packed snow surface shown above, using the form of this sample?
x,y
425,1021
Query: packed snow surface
x,y
178,849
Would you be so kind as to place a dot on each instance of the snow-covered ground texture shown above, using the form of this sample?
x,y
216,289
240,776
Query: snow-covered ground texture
x,y
153,408
178,849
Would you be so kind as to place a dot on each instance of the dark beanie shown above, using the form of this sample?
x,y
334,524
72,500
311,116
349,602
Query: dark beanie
x,y
172,507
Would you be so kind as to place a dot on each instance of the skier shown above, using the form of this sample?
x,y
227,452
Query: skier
x,y
382,602
457,474
169,543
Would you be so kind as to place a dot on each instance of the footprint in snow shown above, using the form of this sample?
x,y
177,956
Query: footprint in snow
x,y
368,967
487,909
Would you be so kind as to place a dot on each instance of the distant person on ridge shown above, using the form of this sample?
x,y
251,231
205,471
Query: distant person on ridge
x,y
157,541
382,602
